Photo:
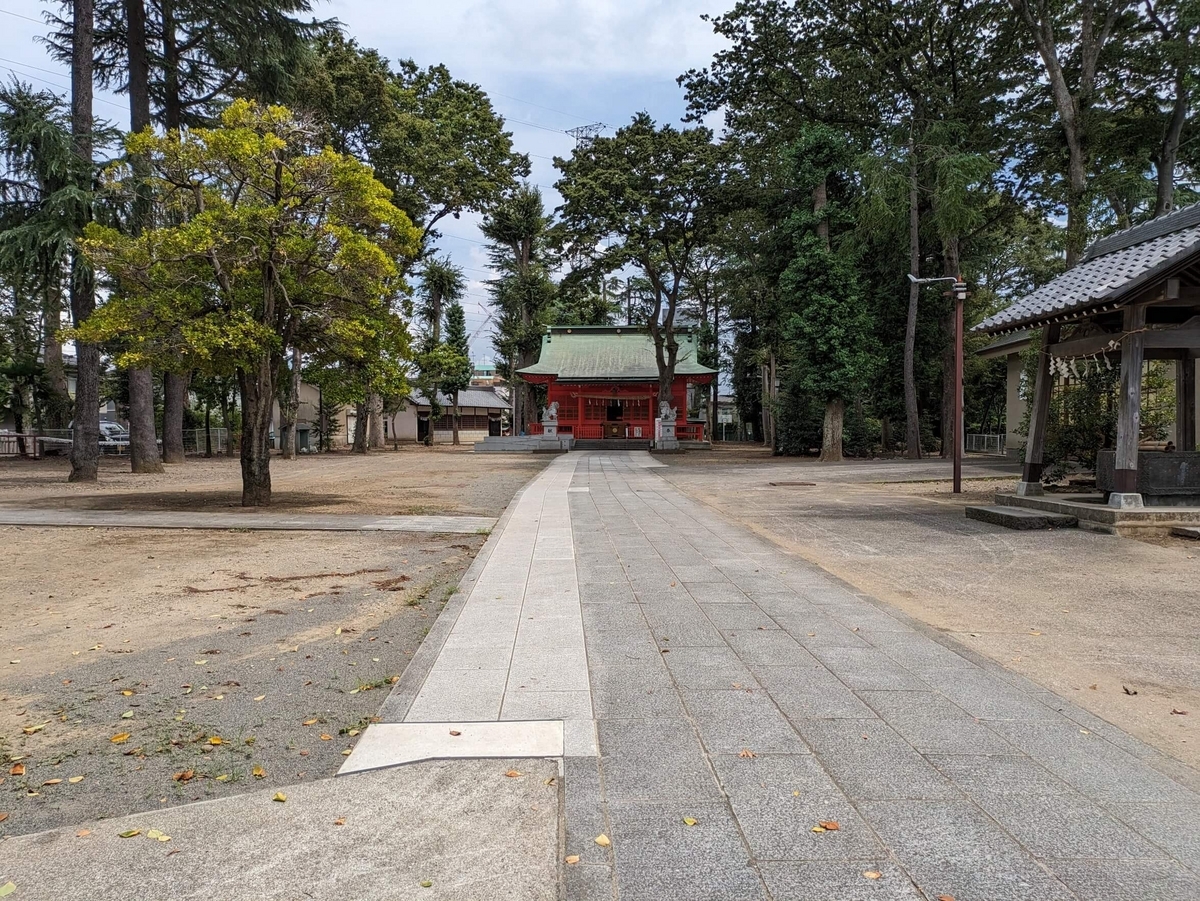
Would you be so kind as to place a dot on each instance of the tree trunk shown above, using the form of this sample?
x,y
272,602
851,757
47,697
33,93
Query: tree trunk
x,y
58,410
912,414
831,432
207,430
85,446
456,420
375,425
885,433
143,442
175,392
362,414
227,416
289,405
258,396
1168,154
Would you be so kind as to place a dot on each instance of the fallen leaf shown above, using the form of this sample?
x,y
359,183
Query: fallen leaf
x,y
17,770
945,898
216,740
425,883
127,693
201,662
130,833
258,773
120,738
453,732
185,776
572,859
872,874
340,821
127,715
1034,632
325,736
224,777
311,722
513,774
347,752
33,730
52,782
690,821
831,825
279,796
7,889
747,753
1178,712
552,780
817,829
75,780
603,840
260,697
83,833
3,817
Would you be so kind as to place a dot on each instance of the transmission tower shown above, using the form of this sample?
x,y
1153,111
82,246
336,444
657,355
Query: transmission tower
x,y
585,134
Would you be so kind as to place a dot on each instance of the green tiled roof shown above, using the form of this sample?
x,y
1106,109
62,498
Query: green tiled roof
x,y
609,353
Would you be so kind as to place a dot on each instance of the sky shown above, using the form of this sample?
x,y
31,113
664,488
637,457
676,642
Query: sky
x,y
548,65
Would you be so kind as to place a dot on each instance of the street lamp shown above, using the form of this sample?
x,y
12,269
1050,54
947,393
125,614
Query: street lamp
x,y
960,295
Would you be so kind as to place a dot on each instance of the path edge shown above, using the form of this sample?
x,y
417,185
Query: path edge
x,y
395,708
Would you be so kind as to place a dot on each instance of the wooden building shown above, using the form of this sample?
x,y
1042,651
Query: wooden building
x,y
1135,296
605,381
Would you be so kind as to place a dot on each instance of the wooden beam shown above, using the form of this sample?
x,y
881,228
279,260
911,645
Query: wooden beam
x,y
1129,412
1184,337
1186,392
1043,386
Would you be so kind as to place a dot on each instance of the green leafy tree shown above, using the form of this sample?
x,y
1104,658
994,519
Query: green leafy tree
x,y
275,237
648,194
457,378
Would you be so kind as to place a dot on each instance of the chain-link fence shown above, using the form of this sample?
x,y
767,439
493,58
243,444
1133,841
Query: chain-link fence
x,y
197,441
986,444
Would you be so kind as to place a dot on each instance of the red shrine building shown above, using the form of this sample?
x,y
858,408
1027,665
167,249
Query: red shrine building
x,y
605,380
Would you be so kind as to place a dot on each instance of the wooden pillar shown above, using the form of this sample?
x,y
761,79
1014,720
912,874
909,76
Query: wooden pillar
x,y
1129,413
1185,395
1043,387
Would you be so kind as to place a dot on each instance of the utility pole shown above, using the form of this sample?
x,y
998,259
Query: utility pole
x,y
960,295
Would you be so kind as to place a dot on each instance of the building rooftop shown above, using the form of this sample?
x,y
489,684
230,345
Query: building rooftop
x,y
1112,269
468,397
609,353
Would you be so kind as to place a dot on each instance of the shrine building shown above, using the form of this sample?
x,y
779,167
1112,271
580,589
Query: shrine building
x,y
605,380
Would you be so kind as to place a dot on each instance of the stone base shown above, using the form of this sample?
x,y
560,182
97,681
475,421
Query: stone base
x,y
1021,519
1129,501
666,444
1030,489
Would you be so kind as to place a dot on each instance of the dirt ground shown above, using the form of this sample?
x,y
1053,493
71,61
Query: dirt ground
x,y
411,480
147,668
1109,623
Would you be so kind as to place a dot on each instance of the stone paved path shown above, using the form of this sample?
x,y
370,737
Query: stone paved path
x,y
257,521
704,674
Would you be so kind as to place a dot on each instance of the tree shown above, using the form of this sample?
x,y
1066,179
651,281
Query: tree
x,y
275,238
650,192
517,228
457,380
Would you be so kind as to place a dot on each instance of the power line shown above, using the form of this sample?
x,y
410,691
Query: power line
x,y
47,80
539,106
8,12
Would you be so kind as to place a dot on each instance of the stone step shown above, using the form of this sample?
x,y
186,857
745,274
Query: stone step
x,y
612,444
1186,532
1021,518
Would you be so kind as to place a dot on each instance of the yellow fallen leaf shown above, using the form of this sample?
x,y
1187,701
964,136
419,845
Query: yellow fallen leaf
x,y
340,821
224,777
33,730
513,774
311,722
260,697
52,782
818,828
127,715
279,796
83,833
75,780
127,693
347,752
603,840
120,738
325,736
7,889
425,883
690,821
1034,632
201,662
872,874
337,631
259,773
354,732
747,753
130,833
216,740
572,859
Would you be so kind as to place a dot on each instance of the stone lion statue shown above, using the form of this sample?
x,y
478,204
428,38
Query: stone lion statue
x,y
666,412
552,412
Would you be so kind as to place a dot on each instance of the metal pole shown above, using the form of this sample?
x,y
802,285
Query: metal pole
x,y
960,293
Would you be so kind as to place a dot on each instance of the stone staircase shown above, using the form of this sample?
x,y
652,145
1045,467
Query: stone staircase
x,y
612,444
1021,518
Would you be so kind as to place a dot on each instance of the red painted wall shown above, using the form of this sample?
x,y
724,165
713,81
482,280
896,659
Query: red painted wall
x,y
582,407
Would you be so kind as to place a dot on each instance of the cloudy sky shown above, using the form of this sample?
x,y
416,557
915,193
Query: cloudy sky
x,y
549,65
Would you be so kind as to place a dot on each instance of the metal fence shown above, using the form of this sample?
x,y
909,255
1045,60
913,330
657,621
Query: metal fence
x,y
194,441
986,444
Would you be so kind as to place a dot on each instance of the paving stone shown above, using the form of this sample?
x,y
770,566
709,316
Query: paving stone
x,y
984,696
931,724
1173,827
634,692
999,775
738,617
814,629
715,592
700,571
987,877
863,669
915,652
527,704
584,811
685,631
589,882
708,668
731,720
1067,826
653,758
871,761
810,691
837,881
767,648
549,669
938,830
658,856
1126,880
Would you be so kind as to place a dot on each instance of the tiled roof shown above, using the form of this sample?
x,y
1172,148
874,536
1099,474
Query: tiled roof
x,y
609,353
1111,269
468,397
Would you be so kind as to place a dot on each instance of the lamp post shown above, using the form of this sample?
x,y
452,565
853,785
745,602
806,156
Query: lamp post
x,y
960,296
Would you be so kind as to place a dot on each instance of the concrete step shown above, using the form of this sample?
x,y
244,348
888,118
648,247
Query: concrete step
x,y
1021,518
612,444
1186,532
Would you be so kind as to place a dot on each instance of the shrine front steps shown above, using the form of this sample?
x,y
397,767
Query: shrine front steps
x,y
611,444
1022,519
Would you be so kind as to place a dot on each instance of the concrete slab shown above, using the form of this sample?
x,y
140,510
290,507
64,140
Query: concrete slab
x,y
1021,519
463,827
394,744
